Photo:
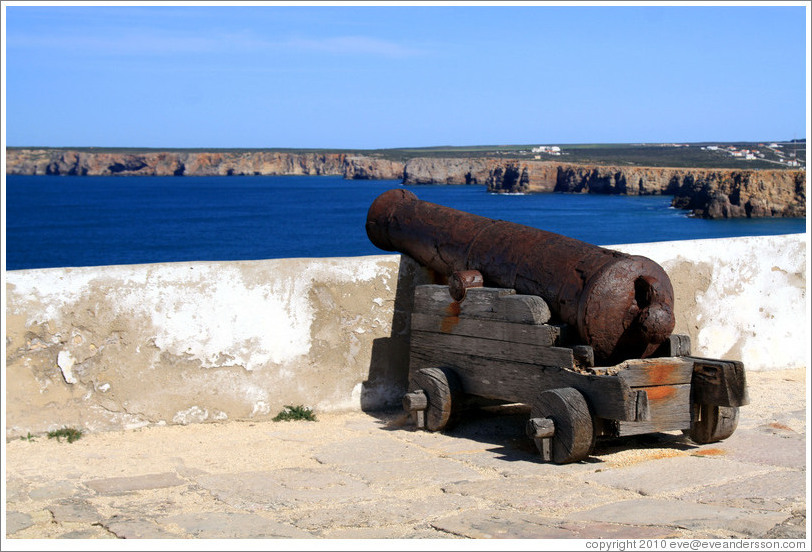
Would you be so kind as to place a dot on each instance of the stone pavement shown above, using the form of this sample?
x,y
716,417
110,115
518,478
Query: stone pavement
x,y
370,475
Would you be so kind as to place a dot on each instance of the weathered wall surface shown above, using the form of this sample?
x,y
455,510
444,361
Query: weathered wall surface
x,y
739,298
126,346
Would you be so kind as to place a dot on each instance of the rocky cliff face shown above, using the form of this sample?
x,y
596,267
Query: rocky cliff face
x,y
709,193
361,167
522,177
88,163
447,170
731,194
261,163
503,176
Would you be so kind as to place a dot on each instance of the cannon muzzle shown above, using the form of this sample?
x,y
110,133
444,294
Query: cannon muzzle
x,y
621,305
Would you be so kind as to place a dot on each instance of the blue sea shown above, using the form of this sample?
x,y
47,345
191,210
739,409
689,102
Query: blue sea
x,y
61,221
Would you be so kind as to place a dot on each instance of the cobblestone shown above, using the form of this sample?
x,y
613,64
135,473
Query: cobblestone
x,y
652,479
118,485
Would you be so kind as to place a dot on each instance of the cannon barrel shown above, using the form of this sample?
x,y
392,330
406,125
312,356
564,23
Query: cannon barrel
x,y
621,305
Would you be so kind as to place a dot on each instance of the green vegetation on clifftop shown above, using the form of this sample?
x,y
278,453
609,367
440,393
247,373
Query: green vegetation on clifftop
x,y
694,155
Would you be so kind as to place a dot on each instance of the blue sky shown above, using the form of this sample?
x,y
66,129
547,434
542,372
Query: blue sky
x,y
385,76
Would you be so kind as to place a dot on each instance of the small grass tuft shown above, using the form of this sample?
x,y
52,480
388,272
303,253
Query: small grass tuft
x,y
29,437
70,433
295,413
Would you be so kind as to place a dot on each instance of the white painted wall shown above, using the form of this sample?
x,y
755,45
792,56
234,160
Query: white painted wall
x,y
126,346
744,298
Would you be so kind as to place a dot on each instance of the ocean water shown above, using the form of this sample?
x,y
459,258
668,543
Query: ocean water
x,y
61,221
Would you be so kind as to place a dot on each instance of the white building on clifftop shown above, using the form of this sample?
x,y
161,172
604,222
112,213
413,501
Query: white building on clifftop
x,y
550,150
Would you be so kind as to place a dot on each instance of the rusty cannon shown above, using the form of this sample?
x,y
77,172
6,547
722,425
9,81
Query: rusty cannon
x,y
579,334
621,305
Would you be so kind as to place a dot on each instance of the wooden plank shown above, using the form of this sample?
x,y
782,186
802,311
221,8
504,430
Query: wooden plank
x,y
669,407
432,298
647,372
544,334
584,355
523,309
497,304
494,349
675,345
436,299
540,428
719,382
514,381
641,404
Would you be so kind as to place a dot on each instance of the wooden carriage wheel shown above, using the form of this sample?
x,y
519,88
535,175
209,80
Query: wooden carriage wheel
x,y
442,388
573,431
713,423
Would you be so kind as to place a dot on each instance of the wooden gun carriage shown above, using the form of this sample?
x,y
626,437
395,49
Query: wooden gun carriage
x,y
579,333
499,345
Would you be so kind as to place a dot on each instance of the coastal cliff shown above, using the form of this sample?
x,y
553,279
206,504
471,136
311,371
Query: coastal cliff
x,y
362,167
89,163
707,193
448,170
732,194
213,163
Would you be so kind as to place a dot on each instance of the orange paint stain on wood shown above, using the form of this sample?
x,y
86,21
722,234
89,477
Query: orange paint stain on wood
x,y
660,373
660,393
452,317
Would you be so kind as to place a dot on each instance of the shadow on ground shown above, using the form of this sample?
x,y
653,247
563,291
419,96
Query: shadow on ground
x,y
503,429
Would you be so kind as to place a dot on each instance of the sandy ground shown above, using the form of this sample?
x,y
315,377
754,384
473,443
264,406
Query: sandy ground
x,y
237,445
45,478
